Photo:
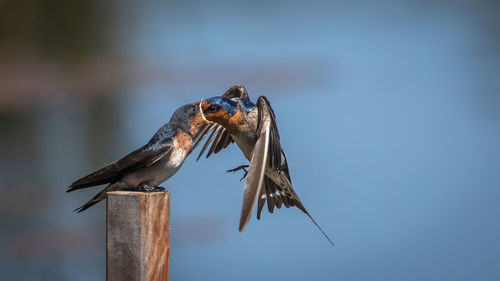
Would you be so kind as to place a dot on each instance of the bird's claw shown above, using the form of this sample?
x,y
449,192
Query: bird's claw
x,y
147,188
242,167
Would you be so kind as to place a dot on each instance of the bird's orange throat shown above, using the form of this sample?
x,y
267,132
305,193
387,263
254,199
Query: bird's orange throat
x,y
183,141
196,123
232,124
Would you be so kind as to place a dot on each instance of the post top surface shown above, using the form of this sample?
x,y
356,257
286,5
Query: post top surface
x,y
139,193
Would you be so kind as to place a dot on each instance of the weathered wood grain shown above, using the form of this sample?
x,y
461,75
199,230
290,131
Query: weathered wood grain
x,y
138,234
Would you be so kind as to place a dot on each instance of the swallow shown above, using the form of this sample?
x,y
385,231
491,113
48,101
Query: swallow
x,y
253,128
147,167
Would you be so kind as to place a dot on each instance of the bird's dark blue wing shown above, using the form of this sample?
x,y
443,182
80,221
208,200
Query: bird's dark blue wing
x,y
158,147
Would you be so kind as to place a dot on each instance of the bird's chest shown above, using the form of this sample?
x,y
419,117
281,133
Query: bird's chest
x,y
246,142
176,158
181,149
167,168
246,138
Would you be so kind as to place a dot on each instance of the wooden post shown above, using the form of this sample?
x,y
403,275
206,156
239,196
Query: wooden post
x,y
138,234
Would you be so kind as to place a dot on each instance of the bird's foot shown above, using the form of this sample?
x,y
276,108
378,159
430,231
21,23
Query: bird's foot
x,y
159,188
242,167
143,186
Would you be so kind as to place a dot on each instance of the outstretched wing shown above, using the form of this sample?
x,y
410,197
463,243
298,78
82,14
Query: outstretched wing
x,y
266,153
267,119
220,137
268,190
256,174
158,147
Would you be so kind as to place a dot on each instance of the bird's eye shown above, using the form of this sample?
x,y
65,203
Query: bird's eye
x,y
213,108
193,109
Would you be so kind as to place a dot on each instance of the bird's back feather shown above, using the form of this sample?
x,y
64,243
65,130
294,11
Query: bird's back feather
x,y
159,146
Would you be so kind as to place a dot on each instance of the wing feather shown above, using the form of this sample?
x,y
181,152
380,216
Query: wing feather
x,y
214,131
271,195
236,92
275,195
224,142
157,148
215,143
255,177
201,135
266,111
261,201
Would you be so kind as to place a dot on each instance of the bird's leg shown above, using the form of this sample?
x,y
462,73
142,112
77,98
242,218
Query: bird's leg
x,y
144,186
242,167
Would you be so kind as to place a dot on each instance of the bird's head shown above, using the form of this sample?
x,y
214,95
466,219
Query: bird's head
x,y
189,117
223,111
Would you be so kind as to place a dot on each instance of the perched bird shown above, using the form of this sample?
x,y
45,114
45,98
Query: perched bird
x,y
253,128
152,164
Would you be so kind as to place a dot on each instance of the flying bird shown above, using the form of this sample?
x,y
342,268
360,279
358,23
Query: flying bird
x,y
253,128
158,160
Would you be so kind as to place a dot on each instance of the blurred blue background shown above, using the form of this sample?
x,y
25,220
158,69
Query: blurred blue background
x,y
389,112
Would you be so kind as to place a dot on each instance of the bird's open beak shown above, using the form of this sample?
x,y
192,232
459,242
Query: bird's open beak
x,y
203,106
